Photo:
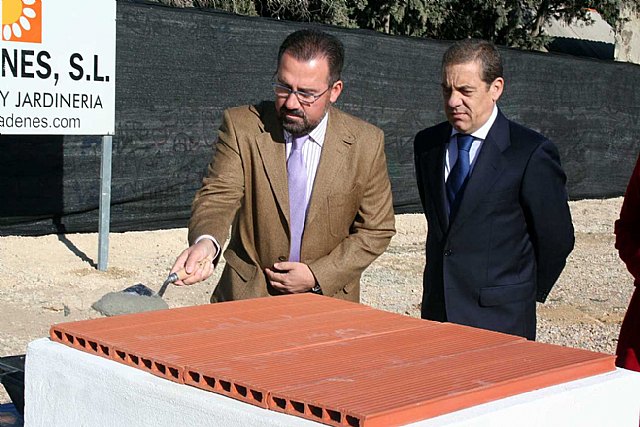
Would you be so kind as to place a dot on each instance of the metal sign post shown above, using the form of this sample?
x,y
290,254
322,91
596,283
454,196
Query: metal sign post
x,y
105,202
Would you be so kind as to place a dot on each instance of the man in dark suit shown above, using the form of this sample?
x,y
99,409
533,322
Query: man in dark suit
x,y
303,186
493,192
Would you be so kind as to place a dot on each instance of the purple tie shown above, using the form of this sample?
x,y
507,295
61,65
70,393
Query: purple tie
x,y
297,173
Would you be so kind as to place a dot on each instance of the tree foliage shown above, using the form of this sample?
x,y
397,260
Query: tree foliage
x,y
516,23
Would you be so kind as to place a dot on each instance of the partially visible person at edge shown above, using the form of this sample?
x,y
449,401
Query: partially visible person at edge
x,y
493,192
303,184
627,230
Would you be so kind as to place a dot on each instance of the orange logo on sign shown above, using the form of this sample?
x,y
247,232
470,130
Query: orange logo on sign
x,y
22,21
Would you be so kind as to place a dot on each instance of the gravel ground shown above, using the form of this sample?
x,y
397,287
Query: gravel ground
x,y
52,279
584,309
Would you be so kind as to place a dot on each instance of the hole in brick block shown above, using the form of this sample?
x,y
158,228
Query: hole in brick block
x,y
94,346
82,342
257,395
161,368
211,382
334,415
147,363
195,377
242,390
226,385
104,349
281,403
353,421
298,406
121,355
58,334
174,372
316,411
69,338
134,359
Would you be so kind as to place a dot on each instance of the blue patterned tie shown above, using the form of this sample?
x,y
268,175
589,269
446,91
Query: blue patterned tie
x,y
297,177
459,173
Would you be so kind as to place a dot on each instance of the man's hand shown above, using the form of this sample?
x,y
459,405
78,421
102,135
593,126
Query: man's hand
x,y
190,259
290,277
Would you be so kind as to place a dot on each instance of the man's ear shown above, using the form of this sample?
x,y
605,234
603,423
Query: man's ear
x,y
336,90
496,87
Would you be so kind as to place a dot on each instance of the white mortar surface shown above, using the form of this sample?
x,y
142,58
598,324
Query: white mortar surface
x,y
67,387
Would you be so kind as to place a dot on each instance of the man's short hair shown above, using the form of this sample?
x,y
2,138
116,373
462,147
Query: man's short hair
x,y
308,44
469,50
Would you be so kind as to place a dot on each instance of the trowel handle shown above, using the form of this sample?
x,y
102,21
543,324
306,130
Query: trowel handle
x,y
182,273
178,275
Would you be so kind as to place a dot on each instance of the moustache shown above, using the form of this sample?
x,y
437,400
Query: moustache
x,y
296,112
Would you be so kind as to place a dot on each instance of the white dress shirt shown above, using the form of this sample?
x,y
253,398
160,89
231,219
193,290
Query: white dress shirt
x,y
478,139
311,151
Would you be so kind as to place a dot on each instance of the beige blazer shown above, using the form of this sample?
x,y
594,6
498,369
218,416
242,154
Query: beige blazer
x,y
350,216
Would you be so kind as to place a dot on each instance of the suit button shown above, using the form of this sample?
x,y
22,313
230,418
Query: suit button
x,y
447,252
282,258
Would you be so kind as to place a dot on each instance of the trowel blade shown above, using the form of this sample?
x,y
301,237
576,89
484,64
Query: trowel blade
x,y
139,289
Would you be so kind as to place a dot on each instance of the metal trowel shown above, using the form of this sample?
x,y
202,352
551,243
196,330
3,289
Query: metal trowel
x,y
145,291
138,298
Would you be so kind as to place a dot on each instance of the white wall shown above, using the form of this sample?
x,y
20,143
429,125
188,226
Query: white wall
x,y
628,38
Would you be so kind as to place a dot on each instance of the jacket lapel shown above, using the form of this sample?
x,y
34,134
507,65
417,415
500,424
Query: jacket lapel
x,y
435,170
336,141
487,169
271,147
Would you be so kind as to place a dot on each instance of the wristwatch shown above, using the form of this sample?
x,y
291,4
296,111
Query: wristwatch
x,y
316,289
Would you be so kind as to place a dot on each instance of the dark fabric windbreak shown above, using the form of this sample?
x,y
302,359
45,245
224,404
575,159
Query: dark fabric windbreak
x,y
178,69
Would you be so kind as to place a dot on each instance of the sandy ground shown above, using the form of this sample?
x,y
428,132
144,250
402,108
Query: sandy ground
x,y
52,279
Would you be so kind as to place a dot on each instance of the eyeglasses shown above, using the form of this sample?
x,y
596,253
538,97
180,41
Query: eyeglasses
x,y
304,98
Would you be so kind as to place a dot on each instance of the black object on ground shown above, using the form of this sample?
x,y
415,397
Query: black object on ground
x,y
12,377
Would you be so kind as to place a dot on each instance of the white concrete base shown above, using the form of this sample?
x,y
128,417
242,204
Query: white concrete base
x,y
66,387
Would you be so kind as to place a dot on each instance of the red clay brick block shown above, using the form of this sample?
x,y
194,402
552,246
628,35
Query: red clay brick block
x,y
328,360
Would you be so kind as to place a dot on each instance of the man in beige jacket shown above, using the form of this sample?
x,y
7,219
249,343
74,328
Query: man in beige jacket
x,y
304,186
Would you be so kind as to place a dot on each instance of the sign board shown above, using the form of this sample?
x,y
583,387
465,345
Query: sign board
x,y
58,67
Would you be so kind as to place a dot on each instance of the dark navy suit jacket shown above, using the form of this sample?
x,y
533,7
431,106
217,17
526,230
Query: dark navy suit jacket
x,y
509,240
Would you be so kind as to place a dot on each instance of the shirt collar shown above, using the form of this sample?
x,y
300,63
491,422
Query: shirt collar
x,y
483,131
